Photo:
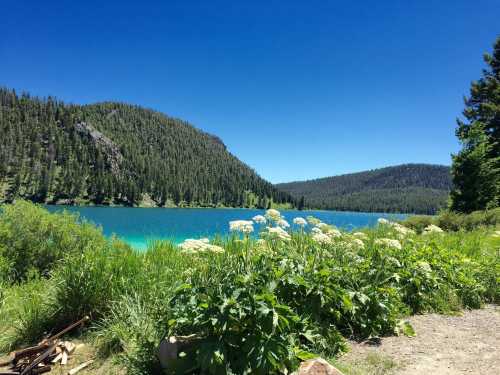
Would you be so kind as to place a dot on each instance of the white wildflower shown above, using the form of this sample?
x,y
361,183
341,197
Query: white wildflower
x,y
321,238
277,233
358,243
389,242
360,235
432,229
259,219
424,266
261,242
283,223
195,246
273,214
300,221
401,229
332,232
243,226
382,221
312,220
316,230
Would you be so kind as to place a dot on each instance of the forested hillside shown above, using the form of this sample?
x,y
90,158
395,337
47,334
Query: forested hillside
x,y
113,153
412,188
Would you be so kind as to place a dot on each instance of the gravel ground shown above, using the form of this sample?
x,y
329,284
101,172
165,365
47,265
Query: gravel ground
x,y
465,344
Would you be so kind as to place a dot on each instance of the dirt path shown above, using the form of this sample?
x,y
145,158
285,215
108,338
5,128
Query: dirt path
x,y
444,345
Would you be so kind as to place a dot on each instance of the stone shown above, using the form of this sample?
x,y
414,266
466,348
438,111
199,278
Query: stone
x,y
317,366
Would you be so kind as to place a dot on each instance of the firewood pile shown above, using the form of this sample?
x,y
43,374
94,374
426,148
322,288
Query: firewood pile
x,y
43,357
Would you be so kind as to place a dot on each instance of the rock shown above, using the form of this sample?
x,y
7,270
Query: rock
x,y
317,366
170,347
107,146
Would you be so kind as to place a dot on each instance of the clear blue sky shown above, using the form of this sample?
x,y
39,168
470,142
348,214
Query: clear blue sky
x,y
296,89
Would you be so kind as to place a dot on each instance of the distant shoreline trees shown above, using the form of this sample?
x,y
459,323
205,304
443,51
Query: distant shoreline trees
x,y
408,188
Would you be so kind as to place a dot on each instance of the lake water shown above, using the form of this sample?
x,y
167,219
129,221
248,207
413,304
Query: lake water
x,y
137,226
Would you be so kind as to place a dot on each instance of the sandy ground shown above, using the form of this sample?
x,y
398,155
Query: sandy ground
x,y
465,344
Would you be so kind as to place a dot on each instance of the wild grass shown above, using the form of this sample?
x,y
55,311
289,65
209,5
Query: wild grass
x,y
257,306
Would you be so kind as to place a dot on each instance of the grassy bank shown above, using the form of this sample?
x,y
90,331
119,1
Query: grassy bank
x,y
256,306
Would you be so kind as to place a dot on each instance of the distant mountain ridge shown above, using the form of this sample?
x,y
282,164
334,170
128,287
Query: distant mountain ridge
x,y
411,188
120,154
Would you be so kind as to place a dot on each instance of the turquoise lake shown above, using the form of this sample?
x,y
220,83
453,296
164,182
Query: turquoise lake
x,y
138,226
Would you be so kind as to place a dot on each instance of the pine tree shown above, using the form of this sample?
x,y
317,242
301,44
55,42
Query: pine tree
x,y
476,168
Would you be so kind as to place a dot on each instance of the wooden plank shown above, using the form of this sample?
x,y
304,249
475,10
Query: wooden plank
x,y
57,358
79,368
64,359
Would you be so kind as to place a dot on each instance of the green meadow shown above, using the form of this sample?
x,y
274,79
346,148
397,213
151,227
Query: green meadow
x,y
255,306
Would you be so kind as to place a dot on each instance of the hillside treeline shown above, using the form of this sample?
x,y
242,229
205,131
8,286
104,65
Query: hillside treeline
x,y
113,153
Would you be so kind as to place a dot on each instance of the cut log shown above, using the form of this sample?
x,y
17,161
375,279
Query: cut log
x,y
70,347
79,368
57,358
64,358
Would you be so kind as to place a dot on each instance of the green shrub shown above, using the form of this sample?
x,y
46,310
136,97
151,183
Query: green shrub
x,y
242,325
32,239
418,222
454,221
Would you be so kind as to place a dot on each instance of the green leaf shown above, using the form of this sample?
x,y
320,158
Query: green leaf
x,y
304,355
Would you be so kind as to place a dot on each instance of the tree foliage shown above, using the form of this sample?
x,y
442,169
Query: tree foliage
x,y
416,188
476,168
114,153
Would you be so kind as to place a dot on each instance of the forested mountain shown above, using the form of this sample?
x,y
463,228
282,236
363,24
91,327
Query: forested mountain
x,y
114,153
412,188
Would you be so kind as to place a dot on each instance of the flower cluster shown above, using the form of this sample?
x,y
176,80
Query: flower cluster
x,y
283,223
401,230
300,221
313,220
323,233
321,238
432,229
276,233
360,235
193,246
389,242
259,219
273,215
243,226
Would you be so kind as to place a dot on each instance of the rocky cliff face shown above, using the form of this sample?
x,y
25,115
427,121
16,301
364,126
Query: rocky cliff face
x,y
112,152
